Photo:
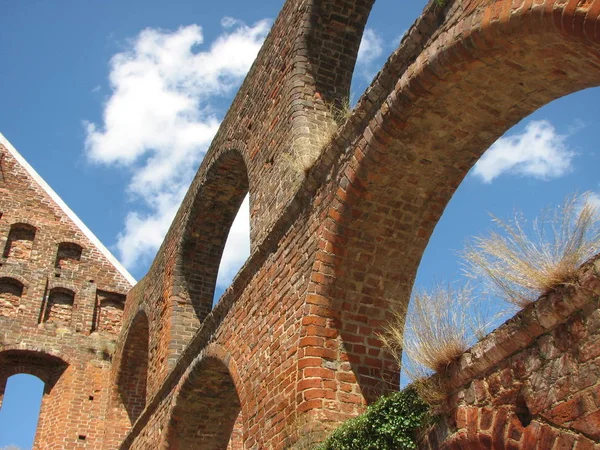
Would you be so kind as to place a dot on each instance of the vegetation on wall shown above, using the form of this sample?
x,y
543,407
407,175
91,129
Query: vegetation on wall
x,y
307,148
516,264
440,326
391,423
520,264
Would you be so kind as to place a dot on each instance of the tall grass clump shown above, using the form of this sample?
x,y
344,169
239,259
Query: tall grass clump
x,y
440,326
520,263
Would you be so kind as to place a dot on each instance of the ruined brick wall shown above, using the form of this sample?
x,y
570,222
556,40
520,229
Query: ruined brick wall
x,y
296,333
334,246
275,107
61,301
533,383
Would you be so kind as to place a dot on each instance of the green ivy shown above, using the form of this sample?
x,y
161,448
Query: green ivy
x,y
388,424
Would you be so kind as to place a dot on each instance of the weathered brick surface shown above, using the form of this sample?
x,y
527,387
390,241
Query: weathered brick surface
x,y
334,247
316,292
533,383
300,322
50,277
109,312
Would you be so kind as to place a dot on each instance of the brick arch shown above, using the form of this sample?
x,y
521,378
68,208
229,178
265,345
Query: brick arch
x,y
207,410
215,204
20,241
53,370
12,290
45,366
132,378
488,67
32,349
63,284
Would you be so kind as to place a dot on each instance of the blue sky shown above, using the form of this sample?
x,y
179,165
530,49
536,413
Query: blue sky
x,y
115,102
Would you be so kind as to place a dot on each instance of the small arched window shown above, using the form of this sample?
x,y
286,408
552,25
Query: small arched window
x,y
110,312
20,241
68,255
59,308
11,291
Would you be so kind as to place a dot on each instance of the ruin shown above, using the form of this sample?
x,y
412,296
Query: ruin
x,y
335,242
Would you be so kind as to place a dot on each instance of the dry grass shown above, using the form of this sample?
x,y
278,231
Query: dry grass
x,y
519,266
340,112
437,329
440,326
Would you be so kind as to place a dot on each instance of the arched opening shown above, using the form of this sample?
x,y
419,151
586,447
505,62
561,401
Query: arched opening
x,y
20,410
236,250
68,256
26,378
212,214
206,410
546,157
463,91
133,375
59,306
388,22
20,241
109,312
11,292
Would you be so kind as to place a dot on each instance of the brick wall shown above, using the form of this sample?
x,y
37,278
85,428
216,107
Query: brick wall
x,y
333,247
52,282
533,383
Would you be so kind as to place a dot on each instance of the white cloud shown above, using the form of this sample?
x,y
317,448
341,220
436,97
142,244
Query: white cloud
x,y
371,48
161,117
539,152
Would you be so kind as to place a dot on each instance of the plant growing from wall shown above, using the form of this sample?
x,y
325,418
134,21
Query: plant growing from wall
x,y
391,423
520,264
441,325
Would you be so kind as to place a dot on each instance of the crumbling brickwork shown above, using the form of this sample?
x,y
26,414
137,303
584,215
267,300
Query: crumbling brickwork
x,y
533,383
335,245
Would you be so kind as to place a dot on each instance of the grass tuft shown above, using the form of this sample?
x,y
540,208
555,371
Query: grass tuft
x,y
520,265
440,326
